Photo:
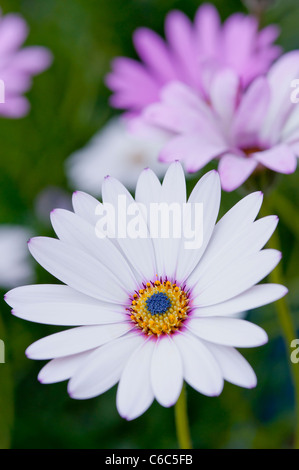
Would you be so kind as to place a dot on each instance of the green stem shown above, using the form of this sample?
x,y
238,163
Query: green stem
x,y
288,329
181,421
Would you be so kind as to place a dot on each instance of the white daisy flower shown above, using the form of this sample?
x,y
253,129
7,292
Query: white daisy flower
x,y
148,312
119,152
15,267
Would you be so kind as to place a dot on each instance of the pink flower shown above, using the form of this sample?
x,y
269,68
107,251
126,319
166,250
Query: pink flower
x,y
192,54
17,66
247,130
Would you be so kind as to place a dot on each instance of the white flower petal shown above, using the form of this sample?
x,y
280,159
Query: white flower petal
x,y
70,314
240,215
139,251
228,331
148,188
134,393
234,279
71,229
104,367
77,269
85,206
201,370
229,228
166,372
173,193
75,340
207,192
148,191
61,305
62,368
234,367
174,184
44,293
255,297
249,241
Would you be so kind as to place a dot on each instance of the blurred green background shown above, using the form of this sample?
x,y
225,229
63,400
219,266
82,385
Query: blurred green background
x,y
69,104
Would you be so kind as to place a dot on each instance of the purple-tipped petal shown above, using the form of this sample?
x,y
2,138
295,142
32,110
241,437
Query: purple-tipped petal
x,y
235,170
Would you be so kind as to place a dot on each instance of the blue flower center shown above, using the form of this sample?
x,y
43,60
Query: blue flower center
x,y
157,304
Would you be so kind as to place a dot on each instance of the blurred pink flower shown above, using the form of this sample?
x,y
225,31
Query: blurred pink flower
x,y
192,54
245,130
17,66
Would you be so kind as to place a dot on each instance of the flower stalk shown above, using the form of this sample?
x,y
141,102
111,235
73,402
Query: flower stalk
x,y
182,422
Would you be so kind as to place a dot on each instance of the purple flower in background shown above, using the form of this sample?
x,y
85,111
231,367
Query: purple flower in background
x,y
17,66
247,131
193,53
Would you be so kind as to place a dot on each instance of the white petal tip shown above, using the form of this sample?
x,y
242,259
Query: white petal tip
x,y
281,291
41,379
74,396
31,354
28,354
215,393
253,385
167,404
264,339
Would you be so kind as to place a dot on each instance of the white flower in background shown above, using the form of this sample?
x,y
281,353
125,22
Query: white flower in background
x,y
149,313
118,152
15,267
49,198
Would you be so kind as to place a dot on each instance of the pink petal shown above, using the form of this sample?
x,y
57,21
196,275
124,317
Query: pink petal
x,y
15,82
268,35
180,36
153,51
180,95
251,113
280,78
181,110
207,26
14,107
192,149
280,158
13,32
234,170
134,85
224,94
238,51
32,60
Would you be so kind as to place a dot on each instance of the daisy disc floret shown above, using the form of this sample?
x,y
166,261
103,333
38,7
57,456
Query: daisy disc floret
x,y
149,312
159,308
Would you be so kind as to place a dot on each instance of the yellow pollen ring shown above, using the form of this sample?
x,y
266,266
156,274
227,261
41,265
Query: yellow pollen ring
x,y
158,324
